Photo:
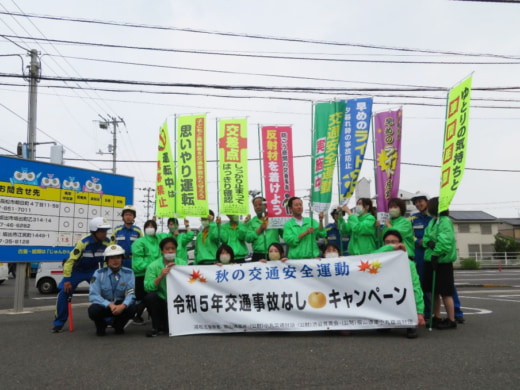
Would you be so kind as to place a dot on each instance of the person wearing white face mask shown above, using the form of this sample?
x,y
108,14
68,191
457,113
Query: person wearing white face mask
x,y
331,251
361,227
145,250
225,255
275,252
183,239
155,286
207,241
397,221
234,234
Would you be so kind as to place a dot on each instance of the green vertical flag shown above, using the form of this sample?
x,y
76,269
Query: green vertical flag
x,y
165,190
455,142
328,120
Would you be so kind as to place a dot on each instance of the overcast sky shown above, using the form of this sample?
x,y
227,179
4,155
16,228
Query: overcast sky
x,y
375,41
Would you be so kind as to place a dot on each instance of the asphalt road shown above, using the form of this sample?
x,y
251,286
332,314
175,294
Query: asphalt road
x,y
482,353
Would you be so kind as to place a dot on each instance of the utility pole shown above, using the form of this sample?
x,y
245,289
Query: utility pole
x,y
112,149
34,78
149,202
21,285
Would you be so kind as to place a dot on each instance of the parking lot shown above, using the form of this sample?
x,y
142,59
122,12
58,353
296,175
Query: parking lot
x,y
481,353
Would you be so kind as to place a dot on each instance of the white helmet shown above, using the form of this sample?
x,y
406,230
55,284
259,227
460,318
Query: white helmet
x,y
418,195
130,208
98,223
114,250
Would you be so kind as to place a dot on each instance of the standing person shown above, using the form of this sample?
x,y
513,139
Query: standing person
x,y
183,239
86,257
155,286
397,221
144,251
361,227
258,233
441,253
300,233
207,241
334,235
126,234
393,241
233,233
419,222
112,293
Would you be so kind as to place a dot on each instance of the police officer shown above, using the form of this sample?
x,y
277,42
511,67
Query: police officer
x,y
86,257
419,222
125,235
112,293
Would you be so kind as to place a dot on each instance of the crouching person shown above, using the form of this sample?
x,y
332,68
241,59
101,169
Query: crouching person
x,y
112,293
155,287
394,241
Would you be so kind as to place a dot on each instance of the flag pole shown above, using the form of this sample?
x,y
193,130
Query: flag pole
x,y
313,162
264,215
217,161
175,162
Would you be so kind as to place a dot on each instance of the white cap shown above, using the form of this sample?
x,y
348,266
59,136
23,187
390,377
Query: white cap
x,y
98,223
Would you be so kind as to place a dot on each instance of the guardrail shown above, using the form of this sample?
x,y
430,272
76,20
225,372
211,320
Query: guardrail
x,y
497,260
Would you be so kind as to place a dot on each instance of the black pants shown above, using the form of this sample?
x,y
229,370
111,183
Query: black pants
x,y
158,309
98,313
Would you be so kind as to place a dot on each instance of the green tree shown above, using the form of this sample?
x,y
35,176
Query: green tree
x,y
506,244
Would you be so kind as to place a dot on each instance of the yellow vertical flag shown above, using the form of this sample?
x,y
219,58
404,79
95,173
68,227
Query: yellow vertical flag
x,y
192,188
233,167
165,190
455,142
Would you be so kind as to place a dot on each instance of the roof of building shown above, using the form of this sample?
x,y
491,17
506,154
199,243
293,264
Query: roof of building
x,y
461,216
511,221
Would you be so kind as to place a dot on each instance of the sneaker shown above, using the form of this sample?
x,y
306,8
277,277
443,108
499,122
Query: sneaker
x,y
154,333
447,324
138,320
57,329
411,333
435,322
460,320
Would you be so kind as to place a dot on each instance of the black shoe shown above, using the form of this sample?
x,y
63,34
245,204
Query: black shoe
x,y
57,329
460,320
138,320
154,333
411,333
101,331
447,324
435,322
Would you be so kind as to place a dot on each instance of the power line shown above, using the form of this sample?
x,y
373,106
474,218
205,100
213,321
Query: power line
x,y
256,56
253,36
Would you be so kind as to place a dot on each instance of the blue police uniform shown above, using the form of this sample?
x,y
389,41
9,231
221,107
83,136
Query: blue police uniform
x,y
86,257
419,223
108,287
335,237
125,237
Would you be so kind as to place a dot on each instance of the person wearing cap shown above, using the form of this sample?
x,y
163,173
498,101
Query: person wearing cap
x,y
155,286
420,221
207,241
233,233
126,234
183,239
257,232
112,293
85,258
144,252
334,235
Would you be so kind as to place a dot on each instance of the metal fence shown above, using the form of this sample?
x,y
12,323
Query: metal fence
x,y
496,259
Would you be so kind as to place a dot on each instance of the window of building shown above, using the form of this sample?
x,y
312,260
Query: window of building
x,y
473,249
485,228
464,228
488,248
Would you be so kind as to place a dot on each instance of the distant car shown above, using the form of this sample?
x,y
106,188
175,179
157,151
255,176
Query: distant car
x,y
49,276
4,272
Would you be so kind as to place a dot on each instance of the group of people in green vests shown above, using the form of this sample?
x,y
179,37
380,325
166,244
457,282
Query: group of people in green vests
x,y
155,253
